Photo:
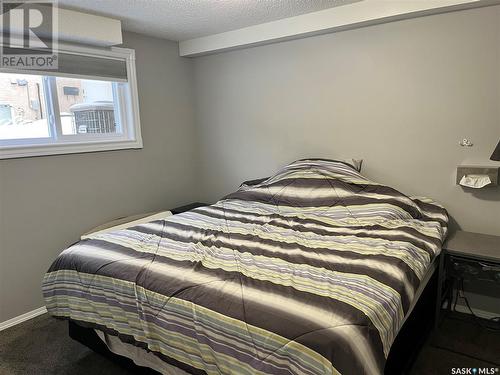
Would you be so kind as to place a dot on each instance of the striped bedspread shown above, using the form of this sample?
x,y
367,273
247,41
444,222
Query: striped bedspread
x,y
308,272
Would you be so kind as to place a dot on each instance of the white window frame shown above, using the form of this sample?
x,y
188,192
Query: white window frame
x,y
57,143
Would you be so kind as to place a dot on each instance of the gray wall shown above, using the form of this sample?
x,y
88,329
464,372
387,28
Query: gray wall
x,y
47,202
399,95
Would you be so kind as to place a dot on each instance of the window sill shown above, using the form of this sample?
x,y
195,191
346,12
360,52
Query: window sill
x,y
67,148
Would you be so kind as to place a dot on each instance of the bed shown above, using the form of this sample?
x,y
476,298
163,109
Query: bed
x,y
313,270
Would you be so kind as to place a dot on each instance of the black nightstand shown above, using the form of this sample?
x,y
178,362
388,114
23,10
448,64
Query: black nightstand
x,y
466,256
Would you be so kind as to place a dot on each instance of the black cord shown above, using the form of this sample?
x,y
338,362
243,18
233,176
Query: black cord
x,y
478,320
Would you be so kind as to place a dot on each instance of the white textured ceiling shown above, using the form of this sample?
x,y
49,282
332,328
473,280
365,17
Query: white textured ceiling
x,y
185,19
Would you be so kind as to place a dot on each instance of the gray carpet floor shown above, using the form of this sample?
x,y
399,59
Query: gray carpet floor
x,y
42,346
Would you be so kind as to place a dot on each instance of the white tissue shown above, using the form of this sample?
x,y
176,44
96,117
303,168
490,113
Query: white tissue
x,y
475,181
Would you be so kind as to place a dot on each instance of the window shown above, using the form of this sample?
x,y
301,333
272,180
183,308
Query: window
x,y
22,107
89,104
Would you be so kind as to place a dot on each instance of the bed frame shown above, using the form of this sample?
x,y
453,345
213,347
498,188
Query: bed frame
x,y
403,352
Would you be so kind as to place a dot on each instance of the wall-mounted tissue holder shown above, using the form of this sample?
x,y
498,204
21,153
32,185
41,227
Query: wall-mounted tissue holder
x,y
477,176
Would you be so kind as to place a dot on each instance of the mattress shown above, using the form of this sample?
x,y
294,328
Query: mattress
x,y
311,271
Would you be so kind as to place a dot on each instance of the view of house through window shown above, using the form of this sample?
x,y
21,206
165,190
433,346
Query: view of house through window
x,y
84,106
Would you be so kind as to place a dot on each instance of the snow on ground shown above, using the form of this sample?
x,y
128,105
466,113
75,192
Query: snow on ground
x,y
35,129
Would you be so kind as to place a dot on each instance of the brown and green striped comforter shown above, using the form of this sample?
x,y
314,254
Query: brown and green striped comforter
x,y
309,272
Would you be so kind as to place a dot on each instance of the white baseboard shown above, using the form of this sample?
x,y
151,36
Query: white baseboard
x,y
22,318
480,313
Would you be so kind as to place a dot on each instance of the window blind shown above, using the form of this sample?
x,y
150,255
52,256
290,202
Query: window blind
x,y
71,64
